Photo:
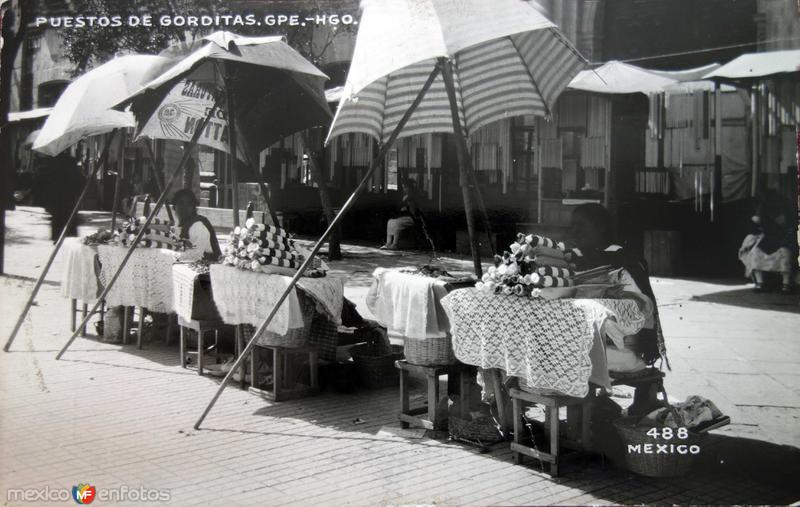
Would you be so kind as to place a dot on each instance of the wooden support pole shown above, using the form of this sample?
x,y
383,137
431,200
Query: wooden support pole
x,y
232,147
117,184
464,163
73,216
200,128
307,262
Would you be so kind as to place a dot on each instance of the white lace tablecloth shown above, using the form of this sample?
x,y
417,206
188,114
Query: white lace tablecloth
x,y
79,280
408,304
550,344
246,297
145,281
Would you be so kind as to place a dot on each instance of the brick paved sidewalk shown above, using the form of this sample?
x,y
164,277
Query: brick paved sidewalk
x,y
113,416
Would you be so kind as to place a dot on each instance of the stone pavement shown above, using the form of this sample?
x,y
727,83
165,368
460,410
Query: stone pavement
x,y
113,416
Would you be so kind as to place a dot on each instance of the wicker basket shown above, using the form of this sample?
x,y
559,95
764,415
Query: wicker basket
x,y
671,464
374,364
297,337
430,351
481,430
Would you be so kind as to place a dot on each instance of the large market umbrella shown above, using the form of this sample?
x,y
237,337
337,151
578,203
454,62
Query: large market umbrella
x,y
277,92
84,110
496,59
616,77
504,59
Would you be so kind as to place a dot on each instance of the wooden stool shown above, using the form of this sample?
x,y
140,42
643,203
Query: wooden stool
x,y
281,374
431,374
201,327
84,312
576,407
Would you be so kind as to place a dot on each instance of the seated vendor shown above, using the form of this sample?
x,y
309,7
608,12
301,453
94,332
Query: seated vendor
x,y
592,234
195,228
400,231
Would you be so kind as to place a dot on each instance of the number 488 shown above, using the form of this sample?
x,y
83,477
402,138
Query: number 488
x,y
668,433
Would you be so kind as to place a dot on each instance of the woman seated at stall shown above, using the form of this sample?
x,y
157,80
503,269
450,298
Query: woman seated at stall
x,y
771,246
401,230
592,234
195,228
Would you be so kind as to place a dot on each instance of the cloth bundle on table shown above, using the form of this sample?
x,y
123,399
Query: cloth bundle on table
x,y
79,280
408,304
555,345
246,297
146,280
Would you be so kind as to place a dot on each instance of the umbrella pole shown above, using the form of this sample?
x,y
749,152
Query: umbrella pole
x,y
232,152
307,262
117,185
186,153
157,177
463,161
61,238
481,205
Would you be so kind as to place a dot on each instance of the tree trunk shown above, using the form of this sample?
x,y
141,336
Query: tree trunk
x,y
13,16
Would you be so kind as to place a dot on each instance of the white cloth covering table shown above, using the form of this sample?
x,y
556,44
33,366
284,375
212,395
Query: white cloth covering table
x,y
408,304
79,281
146,280
246,297
554,345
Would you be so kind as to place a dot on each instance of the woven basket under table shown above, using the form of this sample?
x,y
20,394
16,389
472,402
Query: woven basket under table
x,y
656,464
374,364
430,351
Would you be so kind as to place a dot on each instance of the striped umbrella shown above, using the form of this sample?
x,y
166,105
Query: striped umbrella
x,y
507,60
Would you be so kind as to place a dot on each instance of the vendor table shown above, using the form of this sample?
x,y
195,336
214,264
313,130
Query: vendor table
x,y
409,304
246,297
145,282
79,281
554,345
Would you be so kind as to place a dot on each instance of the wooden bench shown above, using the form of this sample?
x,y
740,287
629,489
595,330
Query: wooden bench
x,y
431,374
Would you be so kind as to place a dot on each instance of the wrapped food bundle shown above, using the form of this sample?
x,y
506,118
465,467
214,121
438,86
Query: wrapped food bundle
x,y
265,248
160,233
532,263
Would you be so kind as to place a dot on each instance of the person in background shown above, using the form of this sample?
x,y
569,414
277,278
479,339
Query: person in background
x,y
592,234
400,230
195,228
62,182
771,245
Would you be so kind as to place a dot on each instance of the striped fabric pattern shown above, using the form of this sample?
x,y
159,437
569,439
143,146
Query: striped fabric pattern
x,y
515,74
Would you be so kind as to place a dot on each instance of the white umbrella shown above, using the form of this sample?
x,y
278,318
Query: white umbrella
x,y
84,109
508,60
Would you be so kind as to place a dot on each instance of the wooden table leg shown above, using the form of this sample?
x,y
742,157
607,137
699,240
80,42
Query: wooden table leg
x,y
126,324
140,331
517,428
200,350
240,347
277,372
404,395
253,376
182,346
313,360
554,439
433,398
73,313
84,313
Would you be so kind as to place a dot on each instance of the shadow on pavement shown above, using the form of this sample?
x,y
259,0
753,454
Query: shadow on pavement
x,y
747,298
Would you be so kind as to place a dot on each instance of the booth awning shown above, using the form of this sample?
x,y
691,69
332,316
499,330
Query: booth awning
x,y
33,114
758,65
